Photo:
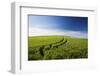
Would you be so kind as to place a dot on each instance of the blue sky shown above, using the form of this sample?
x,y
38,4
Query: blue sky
x,y
60,25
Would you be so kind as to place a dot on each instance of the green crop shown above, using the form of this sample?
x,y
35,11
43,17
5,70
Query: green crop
x,y
56,47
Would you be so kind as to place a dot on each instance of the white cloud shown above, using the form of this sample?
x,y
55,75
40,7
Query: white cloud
x,y
44,32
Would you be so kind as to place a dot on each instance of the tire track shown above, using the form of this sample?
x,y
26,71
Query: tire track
x,y
43,46
53,45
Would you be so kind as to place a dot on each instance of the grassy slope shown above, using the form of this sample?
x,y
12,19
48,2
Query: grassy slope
x,y
56,47
43,40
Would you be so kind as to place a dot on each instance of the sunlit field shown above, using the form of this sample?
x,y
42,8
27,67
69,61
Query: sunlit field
x,y
56,47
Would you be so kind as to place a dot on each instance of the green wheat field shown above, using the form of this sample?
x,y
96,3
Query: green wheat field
x,y
56,47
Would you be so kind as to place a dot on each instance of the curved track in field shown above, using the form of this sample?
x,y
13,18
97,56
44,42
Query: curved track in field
x,y
53,45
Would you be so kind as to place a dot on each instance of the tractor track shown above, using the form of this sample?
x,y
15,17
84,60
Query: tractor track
x,y
53,45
